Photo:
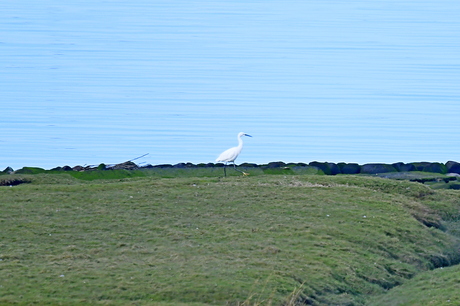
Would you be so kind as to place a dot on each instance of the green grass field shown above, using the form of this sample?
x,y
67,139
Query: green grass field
x,y
198,240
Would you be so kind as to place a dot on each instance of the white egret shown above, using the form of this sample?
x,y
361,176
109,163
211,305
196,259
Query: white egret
x,y
231,154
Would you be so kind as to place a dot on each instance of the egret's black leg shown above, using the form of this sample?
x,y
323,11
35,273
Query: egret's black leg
x,y
244,173
225,170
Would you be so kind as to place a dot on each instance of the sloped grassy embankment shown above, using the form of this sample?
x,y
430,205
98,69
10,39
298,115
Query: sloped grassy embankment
x,y
267,239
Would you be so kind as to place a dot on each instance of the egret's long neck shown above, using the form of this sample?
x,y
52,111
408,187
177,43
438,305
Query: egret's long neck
x,y
240,142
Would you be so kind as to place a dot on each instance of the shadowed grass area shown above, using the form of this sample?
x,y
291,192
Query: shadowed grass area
x,y
266,239
438,287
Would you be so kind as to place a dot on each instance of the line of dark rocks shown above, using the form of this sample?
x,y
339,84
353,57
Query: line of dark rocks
x,y
326,167
339,168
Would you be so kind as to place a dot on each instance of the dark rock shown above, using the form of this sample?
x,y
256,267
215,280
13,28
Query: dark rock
x,y
249,165
402,167
163,166
180,165
351,168
67,168
420,165
407,168
129,165
450,163
453,167
327,168
435,168
77,168
377,168
278,164
335,169
317,164
398,166
8,170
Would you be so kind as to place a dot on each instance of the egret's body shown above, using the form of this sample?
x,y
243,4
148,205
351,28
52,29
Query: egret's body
x,y
231,154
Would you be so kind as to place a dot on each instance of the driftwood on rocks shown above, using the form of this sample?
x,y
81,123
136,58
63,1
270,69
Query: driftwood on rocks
x,y
129,165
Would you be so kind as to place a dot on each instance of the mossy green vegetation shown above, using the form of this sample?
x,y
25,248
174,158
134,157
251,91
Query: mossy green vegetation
x,y
200,240
101,172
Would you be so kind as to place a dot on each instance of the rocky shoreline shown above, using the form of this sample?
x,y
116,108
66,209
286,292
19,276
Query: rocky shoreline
x,y
450,167
437,175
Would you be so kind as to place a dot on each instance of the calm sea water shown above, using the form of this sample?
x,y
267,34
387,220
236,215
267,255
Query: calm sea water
x,y
86,82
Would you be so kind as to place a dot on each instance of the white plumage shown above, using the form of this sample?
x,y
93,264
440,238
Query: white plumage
x,y
231,154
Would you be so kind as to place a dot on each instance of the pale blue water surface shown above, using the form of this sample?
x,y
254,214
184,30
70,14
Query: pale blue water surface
x,y
86,82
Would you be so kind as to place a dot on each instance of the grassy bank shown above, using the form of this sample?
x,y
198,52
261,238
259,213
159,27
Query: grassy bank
x,y
438,287
265,239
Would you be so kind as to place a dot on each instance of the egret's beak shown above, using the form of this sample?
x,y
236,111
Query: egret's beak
x,y
247,135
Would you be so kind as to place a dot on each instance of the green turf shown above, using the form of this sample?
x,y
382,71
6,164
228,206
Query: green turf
x,y
258,240
438,287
